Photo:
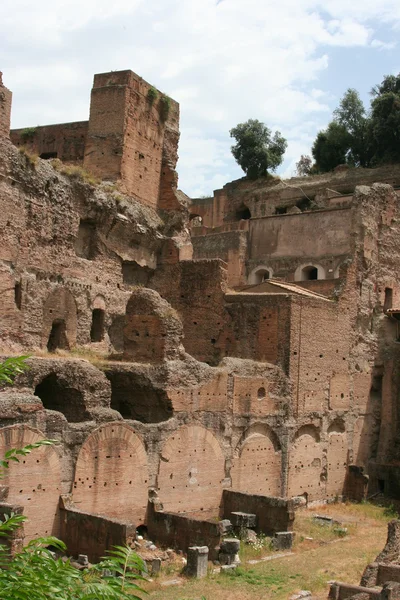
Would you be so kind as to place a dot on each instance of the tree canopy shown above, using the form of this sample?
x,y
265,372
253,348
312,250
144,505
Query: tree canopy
x,y
358,137
257,151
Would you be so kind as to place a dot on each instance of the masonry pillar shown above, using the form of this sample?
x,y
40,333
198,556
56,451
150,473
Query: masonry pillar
x,y
197,561
5,109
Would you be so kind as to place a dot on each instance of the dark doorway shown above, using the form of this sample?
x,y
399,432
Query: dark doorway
x,y
310,273
97,328
58,336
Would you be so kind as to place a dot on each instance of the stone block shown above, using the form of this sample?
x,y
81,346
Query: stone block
x,y
245,520
230,546
155,566
197,562
283,540
225,526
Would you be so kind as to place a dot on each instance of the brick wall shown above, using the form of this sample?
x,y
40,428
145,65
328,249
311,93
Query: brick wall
x,y
64,141
111,475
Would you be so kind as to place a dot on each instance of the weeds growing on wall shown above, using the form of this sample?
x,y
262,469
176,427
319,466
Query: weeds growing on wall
x,y
30,157
165,106
75,172
152,95
28,133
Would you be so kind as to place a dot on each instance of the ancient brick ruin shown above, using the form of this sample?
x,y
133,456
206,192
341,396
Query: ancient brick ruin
x,y
194,358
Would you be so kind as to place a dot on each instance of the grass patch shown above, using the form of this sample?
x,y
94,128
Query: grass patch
x,y
75,172
31,158
311,565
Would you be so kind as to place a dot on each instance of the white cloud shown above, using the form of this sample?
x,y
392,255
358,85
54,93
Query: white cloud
x,y
224,61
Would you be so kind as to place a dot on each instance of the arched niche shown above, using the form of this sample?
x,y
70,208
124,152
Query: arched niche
x,y
34,482
260,274
305,463
111,474
309,272
336,458
59,320
256,468
192,469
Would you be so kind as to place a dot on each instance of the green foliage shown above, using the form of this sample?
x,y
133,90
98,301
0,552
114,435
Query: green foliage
x,y
165,106
359,138
28,133
14,455
256,151
385,120
11,367
330,147
152,95
34,574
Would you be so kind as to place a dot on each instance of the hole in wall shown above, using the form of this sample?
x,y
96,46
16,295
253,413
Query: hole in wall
x,y
55,394
58,336
97,328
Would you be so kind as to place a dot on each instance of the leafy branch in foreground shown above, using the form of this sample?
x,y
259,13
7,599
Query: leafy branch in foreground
x,y
36,573
11,367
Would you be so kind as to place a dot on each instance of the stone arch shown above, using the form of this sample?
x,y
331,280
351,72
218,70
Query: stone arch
x,y
34,482
305,463
59,320
111,474
99,303
153,330
257,465
260,274
309,272
336,458
192,469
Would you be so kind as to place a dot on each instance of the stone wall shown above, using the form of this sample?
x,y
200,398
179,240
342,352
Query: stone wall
x,y
64,141
5,109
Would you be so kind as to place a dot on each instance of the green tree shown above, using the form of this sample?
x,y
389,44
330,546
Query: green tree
x,y
385,120
34,573
330,147
351,115
256,151
347,139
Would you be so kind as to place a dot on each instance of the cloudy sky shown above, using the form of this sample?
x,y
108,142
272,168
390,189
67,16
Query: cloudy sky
x,y
285,62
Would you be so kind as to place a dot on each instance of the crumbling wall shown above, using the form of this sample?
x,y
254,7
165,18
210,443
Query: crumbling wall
x,y
5,109
130,122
